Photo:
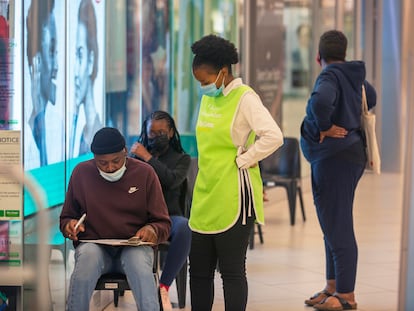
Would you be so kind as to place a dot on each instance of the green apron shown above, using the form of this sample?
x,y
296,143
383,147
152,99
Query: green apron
x,y
222,191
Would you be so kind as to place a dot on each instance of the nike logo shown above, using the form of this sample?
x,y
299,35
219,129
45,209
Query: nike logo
x,y
133,189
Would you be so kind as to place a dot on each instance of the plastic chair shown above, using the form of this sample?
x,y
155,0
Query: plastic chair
x,y
191,178
283,169
259,232
118,283
113,281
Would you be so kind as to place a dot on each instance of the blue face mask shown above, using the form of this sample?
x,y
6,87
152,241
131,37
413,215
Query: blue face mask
x,y
211,89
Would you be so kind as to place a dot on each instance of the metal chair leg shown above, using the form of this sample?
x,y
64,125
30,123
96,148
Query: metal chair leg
x,y
181,282
259,230
291,190
301,203
116,298
251,239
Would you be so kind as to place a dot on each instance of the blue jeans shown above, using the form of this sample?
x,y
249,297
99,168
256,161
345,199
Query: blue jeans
x,y
180,243
93,260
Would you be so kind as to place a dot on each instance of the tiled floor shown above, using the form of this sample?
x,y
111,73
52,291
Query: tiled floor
x,y
289,266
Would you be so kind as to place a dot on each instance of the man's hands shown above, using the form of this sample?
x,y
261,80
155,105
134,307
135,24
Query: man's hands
x,y
334,132
147,234
70,231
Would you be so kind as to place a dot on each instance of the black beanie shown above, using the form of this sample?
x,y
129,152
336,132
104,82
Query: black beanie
x,y
107,140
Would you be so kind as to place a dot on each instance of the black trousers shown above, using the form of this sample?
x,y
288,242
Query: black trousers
x,y
228,250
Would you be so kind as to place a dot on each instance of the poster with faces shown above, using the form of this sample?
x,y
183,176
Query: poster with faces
x,y
44,82
85,74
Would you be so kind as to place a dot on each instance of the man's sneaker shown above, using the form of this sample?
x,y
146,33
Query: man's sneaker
x,y
165,299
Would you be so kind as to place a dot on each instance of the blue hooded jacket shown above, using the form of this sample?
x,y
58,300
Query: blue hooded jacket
x,y
336,99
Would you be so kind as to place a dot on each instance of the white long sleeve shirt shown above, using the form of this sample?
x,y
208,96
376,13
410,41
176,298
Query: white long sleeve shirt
x,y
252,115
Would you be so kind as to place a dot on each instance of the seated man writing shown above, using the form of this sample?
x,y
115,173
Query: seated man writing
x,y
122,198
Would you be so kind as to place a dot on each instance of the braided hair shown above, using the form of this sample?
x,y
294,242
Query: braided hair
x,y
175,141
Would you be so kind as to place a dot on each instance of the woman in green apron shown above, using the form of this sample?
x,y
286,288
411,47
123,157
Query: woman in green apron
x,y
234,132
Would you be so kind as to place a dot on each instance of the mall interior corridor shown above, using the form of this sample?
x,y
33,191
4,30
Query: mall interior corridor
x,y
289,266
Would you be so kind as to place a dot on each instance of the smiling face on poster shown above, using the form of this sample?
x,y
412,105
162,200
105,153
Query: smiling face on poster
x,y
44,86
85,104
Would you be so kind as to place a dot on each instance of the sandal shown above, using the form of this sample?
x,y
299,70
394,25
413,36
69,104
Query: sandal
x,y
345,305
317,298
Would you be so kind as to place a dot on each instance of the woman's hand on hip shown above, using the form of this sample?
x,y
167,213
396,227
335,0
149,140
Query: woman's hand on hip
x,y
334,132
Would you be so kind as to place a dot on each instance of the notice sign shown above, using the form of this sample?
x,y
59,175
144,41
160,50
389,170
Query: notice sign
x,y
10,185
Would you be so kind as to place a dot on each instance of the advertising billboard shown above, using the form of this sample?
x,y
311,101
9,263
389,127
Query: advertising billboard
x,y
44,82
85,80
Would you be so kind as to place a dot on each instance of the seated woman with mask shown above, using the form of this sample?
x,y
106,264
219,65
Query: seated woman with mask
x,y
159,145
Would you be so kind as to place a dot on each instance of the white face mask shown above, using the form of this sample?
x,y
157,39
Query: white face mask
x,y
114,176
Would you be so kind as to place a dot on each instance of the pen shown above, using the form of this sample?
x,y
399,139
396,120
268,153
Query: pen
x,y
80,221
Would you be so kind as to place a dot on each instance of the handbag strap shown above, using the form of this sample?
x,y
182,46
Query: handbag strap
x,y
364,101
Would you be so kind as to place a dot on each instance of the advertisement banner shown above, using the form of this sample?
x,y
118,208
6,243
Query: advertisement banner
x,y
44,86
298,79
85,73
267,54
